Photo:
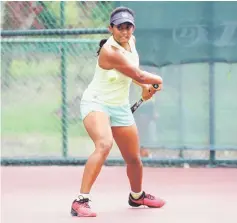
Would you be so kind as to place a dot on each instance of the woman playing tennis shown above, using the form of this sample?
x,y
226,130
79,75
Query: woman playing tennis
x,y
106,113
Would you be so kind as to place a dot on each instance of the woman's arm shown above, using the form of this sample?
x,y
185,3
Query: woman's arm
x,y
139,84
112,58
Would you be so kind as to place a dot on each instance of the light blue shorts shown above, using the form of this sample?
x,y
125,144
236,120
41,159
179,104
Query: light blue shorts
x,y
119,115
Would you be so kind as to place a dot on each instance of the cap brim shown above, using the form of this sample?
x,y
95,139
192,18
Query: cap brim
x,y
122,20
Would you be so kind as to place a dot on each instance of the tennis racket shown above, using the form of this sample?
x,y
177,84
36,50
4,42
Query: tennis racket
x,y
138,103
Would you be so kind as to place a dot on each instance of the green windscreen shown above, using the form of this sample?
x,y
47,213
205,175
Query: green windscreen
x,y
184,32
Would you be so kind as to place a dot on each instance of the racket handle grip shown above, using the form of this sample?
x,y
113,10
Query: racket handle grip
x,y
156,86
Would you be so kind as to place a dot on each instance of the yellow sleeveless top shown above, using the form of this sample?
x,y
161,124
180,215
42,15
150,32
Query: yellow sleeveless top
x,y
111,87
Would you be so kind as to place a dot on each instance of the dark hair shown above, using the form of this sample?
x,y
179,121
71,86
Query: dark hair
x,y
118,9
102,42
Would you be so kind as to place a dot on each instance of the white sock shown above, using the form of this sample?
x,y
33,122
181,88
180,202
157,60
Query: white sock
x,y
136,195
84,196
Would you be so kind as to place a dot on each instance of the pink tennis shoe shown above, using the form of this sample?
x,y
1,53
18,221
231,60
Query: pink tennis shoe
x,y
147,200
81,208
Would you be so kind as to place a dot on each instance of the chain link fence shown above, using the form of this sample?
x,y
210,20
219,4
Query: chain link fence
x,y
32,69
49,15
43,76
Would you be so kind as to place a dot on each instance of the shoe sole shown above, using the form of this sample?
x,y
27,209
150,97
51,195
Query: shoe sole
x,y
75,214
133,204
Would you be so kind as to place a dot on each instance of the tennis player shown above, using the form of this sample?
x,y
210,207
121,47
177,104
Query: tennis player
x,y
106,113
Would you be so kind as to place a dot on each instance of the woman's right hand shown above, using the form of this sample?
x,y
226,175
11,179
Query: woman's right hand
x,y
147,91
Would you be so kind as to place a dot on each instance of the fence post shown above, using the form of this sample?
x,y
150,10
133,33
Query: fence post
x,y
211,113
63,86
209,11
181,111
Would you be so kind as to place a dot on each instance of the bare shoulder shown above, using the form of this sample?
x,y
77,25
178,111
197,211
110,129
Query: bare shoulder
x,y
108,55
108,51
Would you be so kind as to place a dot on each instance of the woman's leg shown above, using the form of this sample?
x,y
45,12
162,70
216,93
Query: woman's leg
x,y
127,140
97,125
143,121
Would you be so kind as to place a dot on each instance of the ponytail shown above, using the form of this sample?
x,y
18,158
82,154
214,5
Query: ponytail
x,y
102,42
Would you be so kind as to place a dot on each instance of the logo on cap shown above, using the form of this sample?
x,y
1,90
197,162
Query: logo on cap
x,y
124,14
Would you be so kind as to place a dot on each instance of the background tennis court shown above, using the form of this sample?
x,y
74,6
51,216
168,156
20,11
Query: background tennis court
x,y
48,54
39,194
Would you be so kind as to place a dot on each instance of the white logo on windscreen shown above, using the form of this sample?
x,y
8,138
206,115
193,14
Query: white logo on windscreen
x,y
191,33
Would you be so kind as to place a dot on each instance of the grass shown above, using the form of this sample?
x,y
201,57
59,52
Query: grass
x,y
22,68
36,118
30,118
30,125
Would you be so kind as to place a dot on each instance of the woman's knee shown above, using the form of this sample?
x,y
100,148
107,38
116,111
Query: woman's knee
x,y
134,160
104,146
